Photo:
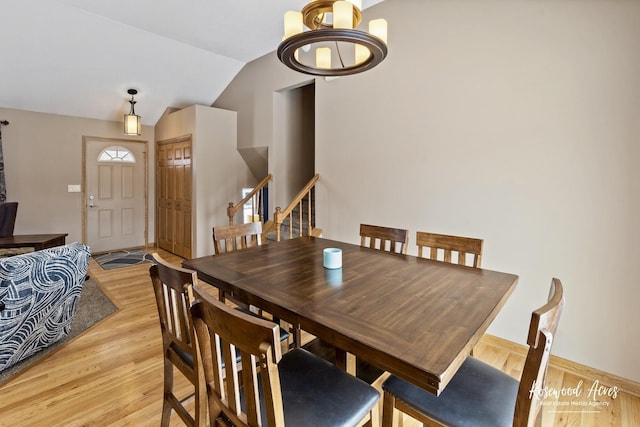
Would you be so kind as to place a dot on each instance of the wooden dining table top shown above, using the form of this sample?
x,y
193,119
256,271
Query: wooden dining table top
x,y
415,318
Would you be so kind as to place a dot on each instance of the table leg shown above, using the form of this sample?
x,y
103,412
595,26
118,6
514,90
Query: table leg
x,y
297,335
346,361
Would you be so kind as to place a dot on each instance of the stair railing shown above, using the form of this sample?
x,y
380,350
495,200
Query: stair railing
x,y
256,196
281,215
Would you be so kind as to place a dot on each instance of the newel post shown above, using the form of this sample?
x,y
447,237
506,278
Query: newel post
x,y
230,213
278,222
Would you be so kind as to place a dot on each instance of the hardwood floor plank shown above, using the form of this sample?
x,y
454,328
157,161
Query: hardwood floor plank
x,y
111,375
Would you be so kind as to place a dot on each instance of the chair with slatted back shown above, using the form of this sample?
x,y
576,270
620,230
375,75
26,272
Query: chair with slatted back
x,y
172,288
442,247
384,238
449,245
228,238
296,389
479,394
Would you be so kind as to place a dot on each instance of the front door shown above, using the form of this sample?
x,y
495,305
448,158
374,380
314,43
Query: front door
x,y
115,194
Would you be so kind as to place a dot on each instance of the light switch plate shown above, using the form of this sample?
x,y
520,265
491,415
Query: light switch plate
x,y
73,188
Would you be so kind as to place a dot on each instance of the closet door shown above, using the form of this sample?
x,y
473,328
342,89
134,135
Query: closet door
x,y
174,195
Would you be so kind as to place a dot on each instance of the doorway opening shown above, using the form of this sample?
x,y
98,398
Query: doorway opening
x,y
294,141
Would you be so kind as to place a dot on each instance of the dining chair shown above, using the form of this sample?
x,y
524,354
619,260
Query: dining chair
x,y
479,394
228,238
384,238
296,389
446,246
172,288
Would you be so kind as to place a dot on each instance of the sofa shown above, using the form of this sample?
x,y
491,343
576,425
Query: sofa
x,y
39,292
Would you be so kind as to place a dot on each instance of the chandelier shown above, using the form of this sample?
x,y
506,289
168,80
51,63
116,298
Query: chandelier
x,y
331,45
132,122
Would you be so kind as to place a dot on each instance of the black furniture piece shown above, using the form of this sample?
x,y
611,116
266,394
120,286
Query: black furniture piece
x,y
8,211
35,241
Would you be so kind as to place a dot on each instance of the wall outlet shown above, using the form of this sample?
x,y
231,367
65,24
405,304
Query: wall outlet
x,y
73,188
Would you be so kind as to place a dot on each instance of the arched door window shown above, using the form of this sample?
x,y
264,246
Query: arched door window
x,y
116,154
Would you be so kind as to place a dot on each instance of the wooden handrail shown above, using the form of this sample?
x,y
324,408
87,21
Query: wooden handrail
x,y
280,215
233,210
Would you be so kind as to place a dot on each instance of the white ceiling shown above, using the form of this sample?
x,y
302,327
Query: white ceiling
x,y
79,57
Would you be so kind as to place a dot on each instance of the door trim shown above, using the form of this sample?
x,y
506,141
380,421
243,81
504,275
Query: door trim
x,y
83,192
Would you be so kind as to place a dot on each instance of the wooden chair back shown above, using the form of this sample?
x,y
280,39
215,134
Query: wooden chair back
x,y
173,291
542,330
384,238
222,333
449,245
227,238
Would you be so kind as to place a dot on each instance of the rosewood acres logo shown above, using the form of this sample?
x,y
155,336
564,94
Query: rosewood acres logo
x,y
597,395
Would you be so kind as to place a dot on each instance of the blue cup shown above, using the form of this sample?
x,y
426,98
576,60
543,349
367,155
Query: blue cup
x,y
332,258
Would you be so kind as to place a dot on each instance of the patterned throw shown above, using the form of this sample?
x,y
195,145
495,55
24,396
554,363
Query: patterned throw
x,y
40,291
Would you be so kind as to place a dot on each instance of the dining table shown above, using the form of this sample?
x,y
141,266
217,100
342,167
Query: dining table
x,y
416,318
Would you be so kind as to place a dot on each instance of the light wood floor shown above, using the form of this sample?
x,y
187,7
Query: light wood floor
x,y
111,375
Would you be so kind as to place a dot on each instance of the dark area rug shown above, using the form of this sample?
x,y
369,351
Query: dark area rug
x,y
122,258
92,307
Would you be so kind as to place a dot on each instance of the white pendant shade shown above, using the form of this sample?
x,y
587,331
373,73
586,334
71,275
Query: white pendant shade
x,y
132,124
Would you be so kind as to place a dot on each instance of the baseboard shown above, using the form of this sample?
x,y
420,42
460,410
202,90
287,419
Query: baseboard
x,y
624,384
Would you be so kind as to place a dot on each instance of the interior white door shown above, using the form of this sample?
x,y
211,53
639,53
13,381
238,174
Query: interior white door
x,y
115,195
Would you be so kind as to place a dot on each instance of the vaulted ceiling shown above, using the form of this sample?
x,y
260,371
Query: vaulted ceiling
x,y
79,57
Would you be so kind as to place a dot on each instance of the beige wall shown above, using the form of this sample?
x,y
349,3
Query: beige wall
x,y
42,156
219,173
516,122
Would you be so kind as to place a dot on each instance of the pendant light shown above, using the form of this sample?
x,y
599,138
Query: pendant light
x,y
132,122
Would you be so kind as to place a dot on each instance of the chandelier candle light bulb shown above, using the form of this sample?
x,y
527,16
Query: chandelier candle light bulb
x,y
323,57
378,28
343,15
292,23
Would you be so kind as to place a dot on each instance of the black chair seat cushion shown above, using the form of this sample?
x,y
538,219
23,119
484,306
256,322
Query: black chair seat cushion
x,y
188,357
317,393
183,354
478,395
284,334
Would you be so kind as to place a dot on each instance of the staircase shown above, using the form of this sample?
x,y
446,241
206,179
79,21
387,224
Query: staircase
x,y
296,220
301,222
